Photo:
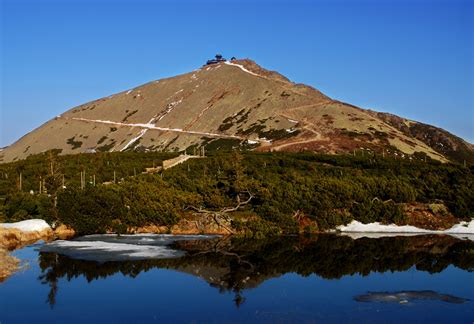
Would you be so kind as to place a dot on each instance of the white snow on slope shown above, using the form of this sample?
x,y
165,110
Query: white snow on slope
x,y
241,67
461,230
355,226
151,126
30,225
133,140
170,107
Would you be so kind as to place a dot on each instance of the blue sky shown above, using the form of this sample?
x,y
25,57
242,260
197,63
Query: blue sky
x,y
411,58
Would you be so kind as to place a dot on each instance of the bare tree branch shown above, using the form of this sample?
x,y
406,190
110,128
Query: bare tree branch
x,y
217,216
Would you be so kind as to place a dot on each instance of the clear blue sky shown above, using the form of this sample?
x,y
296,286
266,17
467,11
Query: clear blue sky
x,y
411,58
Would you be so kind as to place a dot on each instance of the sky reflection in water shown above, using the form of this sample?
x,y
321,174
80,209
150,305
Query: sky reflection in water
x,y
325,278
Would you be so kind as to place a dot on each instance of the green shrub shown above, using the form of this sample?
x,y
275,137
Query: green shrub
x,y
92,210
22,206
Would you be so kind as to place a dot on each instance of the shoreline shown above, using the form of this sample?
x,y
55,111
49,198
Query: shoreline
x,y
18,235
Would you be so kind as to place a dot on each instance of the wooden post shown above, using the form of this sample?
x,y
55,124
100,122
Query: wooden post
x,y
63,181
40,185
93,179
115,177
21,181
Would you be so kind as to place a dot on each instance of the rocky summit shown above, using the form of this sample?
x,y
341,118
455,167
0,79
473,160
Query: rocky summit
x,y
234,104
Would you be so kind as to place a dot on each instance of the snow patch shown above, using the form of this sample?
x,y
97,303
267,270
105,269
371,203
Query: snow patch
x,y
170,107
293,121
252,142
133,140
152,126
291,130
241,67
129,91
30,225
461,230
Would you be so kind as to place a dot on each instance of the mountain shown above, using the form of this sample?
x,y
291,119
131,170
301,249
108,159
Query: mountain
x,y
234,104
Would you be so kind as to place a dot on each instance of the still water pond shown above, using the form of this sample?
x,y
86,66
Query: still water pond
x,y
163,279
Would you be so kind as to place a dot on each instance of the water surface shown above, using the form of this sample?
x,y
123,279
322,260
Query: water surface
x,y
326,278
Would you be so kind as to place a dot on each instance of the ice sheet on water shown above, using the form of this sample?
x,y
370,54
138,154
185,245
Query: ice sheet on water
x,y
111,247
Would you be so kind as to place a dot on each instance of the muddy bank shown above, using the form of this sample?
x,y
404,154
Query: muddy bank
x,y
15,237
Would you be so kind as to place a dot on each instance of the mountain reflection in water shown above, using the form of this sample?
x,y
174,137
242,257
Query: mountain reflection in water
x,y
235,264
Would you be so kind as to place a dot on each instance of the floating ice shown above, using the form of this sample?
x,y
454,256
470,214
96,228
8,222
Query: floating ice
x,y
111,247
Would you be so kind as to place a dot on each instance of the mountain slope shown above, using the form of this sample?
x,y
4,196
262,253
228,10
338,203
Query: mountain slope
x,y
233,104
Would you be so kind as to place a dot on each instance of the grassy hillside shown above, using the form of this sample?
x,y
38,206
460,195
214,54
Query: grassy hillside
x,y
237,104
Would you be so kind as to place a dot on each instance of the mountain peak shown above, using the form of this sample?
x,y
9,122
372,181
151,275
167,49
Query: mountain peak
x,y
233,104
